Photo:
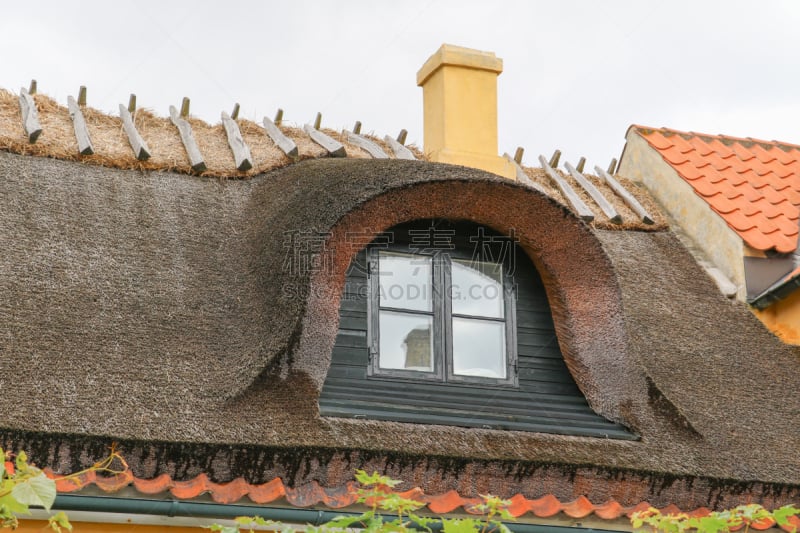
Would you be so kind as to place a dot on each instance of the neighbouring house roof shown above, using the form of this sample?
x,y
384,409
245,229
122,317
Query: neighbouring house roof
x,y
154,309
752,184
778,290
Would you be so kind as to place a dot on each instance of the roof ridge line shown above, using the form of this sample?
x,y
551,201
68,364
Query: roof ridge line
x,y
720,136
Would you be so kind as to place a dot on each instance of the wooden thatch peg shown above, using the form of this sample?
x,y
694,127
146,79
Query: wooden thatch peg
x,y
626,196
612,167
518,155
401,137
400,151
140,149
79,124
581,209
185,107
357,127
132,103
30,117
375,151
82,96
241,152
235,112
185,130
581,164
32,88
287,145
318,121
278,117
595,194
554,160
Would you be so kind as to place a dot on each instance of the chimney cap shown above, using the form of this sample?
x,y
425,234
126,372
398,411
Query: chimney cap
x,y
449,54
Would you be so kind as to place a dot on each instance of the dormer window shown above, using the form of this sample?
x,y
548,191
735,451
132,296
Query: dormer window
x,y
445,315
447,322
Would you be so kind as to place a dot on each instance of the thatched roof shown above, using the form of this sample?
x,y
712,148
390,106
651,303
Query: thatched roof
x,y
155,309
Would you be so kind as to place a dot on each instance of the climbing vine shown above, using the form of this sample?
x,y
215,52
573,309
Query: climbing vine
x,y
377,494
23,485
715,522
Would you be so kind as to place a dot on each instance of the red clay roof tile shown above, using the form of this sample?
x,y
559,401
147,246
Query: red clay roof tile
x,y
545,506
739,178
579,508
313,494
152,486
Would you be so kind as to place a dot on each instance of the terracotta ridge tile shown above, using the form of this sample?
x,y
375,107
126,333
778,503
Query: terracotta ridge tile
x,y
730,138
446,502
230,492
610,510
158,484
546,506
344,496
191,488
267,492
305,495
519,505
578,508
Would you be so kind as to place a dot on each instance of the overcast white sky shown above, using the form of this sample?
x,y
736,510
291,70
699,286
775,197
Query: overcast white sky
x,y
576,73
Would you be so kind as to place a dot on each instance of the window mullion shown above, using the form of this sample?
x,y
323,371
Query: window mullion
x,y
510,297
373,310
446,311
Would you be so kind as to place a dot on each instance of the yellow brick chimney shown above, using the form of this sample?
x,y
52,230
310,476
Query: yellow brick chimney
x,y
459,89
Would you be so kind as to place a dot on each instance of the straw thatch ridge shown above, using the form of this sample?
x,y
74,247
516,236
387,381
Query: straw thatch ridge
x,y
112,149
158,308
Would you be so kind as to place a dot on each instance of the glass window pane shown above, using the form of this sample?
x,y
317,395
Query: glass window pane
x,y
479,348
477,288
405,281
406,341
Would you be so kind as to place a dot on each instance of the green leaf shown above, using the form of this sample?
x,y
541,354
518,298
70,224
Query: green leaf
x,y
224,529
36,490
782,514
347,521
10,503
375,479
461,525
713,524
21,461
503,528
59,521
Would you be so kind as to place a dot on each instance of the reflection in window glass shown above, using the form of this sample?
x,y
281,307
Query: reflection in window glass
x,y
479,348
406,341
405,281
477,288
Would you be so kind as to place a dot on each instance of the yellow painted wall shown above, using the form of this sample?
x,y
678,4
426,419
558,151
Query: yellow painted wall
x,y
40,526
459,89
783,318
709,232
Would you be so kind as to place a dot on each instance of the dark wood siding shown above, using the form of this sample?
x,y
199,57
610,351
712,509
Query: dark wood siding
x,y
547,399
